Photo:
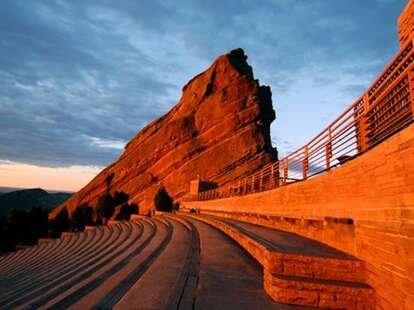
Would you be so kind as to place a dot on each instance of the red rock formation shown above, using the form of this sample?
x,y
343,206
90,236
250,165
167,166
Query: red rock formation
x,y
219,130
406,23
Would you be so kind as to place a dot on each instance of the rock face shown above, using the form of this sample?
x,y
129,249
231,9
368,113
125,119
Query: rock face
x,y
219,131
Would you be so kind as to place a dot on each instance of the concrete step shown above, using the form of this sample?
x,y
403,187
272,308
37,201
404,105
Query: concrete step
x,y
68,246
8,259
290,254
82,283
43,275
114,236
319,293
191,274
55,261
18,279
128,271
22,256
172,266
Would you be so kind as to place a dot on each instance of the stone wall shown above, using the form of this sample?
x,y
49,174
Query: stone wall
x,y
375,190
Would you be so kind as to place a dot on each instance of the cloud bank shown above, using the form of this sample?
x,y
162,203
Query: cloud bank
x,y
78,78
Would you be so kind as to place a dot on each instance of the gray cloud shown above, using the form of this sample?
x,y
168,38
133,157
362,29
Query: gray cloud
x,y
78,77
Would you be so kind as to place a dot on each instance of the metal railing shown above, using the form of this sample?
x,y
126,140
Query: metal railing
x,y
384,109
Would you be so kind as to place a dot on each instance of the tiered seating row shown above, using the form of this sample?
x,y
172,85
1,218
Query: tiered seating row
x,y
173,261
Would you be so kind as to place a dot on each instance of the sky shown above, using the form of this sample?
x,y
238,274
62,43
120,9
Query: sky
x,y
78,79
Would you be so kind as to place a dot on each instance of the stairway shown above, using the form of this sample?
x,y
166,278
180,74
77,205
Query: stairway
x,y
181,262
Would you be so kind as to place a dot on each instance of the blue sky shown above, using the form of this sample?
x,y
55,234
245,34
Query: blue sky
x,y
78,79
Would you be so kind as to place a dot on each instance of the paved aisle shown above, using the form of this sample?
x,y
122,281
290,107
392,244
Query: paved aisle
x,y
229,278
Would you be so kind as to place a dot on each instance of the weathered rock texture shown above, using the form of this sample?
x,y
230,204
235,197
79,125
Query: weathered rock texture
x,y
406,23
219,130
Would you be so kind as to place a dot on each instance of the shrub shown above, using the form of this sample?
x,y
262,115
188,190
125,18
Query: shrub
x,y
134,208
38,224
120,198
163,201
105,207
176,206
82,216
124,213
60,223
13,228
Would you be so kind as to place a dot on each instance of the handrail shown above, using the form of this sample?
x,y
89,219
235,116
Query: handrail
x,y
385,108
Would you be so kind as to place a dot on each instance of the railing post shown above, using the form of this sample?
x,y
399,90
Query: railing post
x,y
328,150
305,163
272,179
276,173
286,170
261,181
362,125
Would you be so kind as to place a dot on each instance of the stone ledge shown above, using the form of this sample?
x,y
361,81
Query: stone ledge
x,y
89,228
314,266
67,234
136,217
45,240
113,222
316,293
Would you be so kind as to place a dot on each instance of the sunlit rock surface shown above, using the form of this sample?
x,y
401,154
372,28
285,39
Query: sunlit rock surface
x,y
219,130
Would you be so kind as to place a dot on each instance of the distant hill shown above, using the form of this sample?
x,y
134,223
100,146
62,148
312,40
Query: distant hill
x,y
4,190
30,198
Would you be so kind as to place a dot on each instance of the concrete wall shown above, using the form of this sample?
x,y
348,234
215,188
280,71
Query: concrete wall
x,y
376,190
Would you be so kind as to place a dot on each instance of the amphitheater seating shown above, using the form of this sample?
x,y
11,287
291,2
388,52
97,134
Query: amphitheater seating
x,y
298,270
181,261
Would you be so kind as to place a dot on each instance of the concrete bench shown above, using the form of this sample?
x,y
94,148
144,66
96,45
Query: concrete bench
x,y
311,274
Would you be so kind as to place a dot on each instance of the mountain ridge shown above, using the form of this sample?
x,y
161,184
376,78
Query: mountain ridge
x,y
26,199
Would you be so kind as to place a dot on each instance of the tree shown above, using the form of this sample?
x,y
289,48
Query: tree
x,y
163,201
105,206
11,229
37,224
176,206
60,223
134,208
120,198
21,226
82,216
124,213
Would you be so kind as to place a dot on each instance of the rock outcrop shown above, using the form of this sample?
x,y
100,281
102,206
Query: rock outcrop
x,y
219,131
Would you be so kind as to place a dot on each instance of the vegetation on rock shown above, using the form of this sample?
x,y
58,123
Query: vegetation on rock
x,y
163,201
83,216
60,223
105,206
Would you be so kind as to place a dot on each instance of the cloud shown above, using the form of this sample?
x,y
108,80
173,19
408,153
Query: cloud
x,y
110,144
79,78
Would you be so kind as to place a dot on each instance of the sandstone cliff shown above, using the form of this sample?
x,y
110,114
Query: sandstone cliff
x,y
219,130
